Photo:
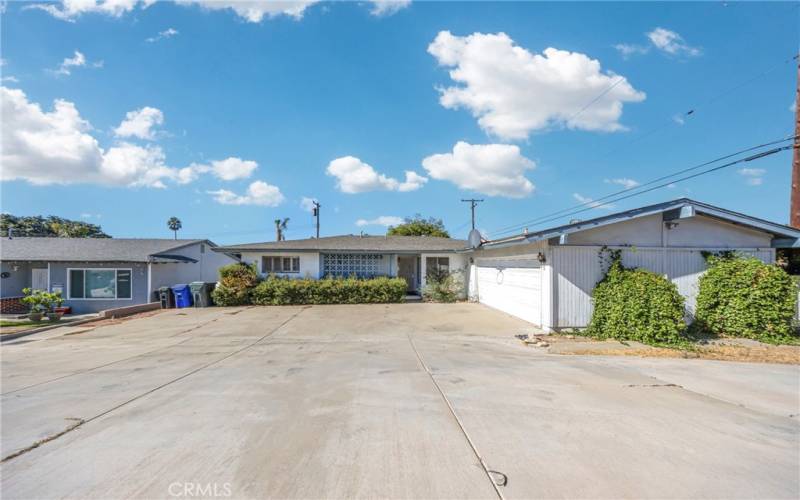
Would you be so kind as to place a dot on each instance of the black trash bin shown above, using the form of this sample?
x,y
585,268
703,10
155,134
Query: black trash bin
x,y
166,297
201,293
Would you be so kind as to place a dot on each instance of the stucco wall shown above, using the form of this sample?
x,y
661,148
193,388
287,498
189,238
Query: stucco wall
x,y
139,292
309,263
694,232
17,280
205,269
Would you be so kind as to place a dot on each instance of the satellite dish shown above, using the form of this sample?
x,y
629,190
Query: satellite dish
x,y
475,238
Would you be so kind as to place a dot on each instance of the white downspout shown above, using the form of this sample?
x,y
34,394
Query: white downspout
x,y
149,281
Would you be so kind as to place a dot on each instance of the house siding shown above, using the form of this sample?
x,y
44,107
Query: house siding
x,y
17,280
309,263
139,290
577,270
205,269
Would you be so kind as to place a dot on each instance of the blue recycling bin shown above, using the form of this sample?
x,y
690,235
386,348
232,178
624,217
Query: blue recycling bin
x,y
183,295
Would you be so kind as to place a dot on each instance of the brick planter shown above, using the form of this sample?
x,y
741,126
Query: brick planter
x,y
12,305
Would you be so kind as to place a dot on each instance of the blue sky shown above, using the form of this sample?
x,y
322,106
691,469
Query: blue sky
x,y
228,117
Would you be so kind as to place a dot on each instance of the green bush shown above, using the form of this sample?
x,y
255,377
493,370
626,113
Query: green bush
x,y
235,284
744,297
636,304
286,291
443,286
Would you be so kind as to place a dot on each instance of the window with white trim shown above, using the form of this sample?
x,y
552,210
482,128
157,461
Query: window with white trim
x,y
109,284
437,264
280,264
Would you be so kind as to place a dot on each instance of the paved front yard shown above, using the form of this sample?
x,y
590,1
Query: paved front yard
x,y
335,401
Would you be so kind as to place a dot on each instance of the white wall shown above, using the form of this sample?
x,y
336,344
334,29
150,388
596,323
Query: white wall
x,y
694,232
205,269
309,263
577,269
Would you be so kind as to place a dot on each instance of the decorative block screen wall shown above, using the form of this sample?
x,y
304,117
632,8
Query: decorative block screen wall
x,y
363,265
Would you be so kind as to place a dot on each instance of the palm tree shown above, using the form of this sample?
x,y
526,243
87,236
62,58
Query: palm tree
x,y
175,225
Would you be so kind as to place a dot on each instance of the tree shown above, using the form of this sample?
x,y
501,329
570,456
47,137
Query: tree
x,y
419,226
49,227
175,225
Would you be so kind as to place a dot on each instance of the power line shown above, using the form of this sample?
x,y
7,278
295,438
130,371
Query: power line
x,y
637,190
672,120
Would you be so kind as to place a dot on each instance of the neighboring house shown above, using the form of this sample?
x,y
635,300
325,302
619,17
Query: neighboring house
x,y
547,277
409,257
95,274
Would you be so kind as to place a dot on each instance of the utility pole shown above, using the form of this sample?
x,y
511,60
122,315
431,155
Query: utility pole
x,y
794,211
472,204
315,212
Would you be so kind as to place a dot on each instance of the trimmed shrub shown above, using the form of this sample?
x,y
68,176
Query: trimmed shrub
x,y
636,304
443,286
287,291
744,297
235,283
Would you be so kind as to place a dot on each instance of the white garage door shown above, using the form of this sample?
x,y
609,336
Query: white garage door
x,y
514,287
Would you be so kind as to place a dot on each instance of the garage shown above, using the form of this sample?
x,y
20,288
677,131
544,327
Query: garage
x,y
512,286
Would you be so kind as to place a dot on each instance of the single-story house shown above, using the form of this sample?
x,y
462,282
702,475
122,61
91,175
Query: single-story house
x,y
409,257
547,277
544,277
94,274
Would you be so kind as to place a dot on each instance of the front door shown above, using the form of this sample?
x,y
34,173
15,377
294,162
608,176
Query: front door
x,y
407,269
39,279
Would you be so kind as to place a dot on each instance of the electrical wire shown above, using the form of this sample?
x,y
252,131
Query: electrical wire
x,y
635,191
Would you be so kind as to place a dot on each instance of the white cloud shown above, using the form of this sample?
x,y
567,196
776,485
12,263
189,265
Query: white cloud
x,y
594,204
229,169
167,33
68,10
671,42
513,92
307,204
233,168
753,176
258,193
78,60
10,79
624,182
256,11
492,169
56,147
413,182
628,50
139,123
793,107
383,220
382,8
354,176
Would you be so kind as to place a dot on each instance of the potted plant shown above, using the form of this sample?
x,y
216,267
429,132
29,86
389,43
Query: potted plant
x,y
42,302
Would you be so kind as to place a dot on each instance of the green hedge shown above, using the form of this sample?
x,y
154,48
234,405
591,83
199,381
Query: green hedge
x,y
235,283
636,304
744,297
285,291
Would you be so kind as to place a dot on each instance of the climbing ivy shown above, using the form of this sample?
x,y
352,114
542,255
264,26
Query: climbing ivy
x,y
636,304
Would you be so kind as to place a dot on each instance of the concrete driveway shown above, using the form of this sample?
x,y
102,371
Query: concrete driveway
x,y
399,401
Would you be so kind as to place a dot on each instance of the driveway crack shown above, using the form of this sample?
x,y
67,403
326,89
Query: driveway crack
x,y
496,478
80,422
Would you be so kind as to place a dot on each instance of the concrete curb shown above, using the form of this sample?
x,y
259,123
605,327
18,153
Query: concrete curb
x,y
25,333
106,314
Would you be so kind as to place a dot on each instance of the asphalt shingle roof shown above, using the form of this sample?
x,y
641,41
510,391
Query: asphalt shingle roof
x,y
86,249
354,243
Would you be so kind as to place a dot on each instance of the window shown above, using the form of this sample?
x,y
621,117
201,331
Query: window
x,y
109,284
352,264
437,265
280,264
